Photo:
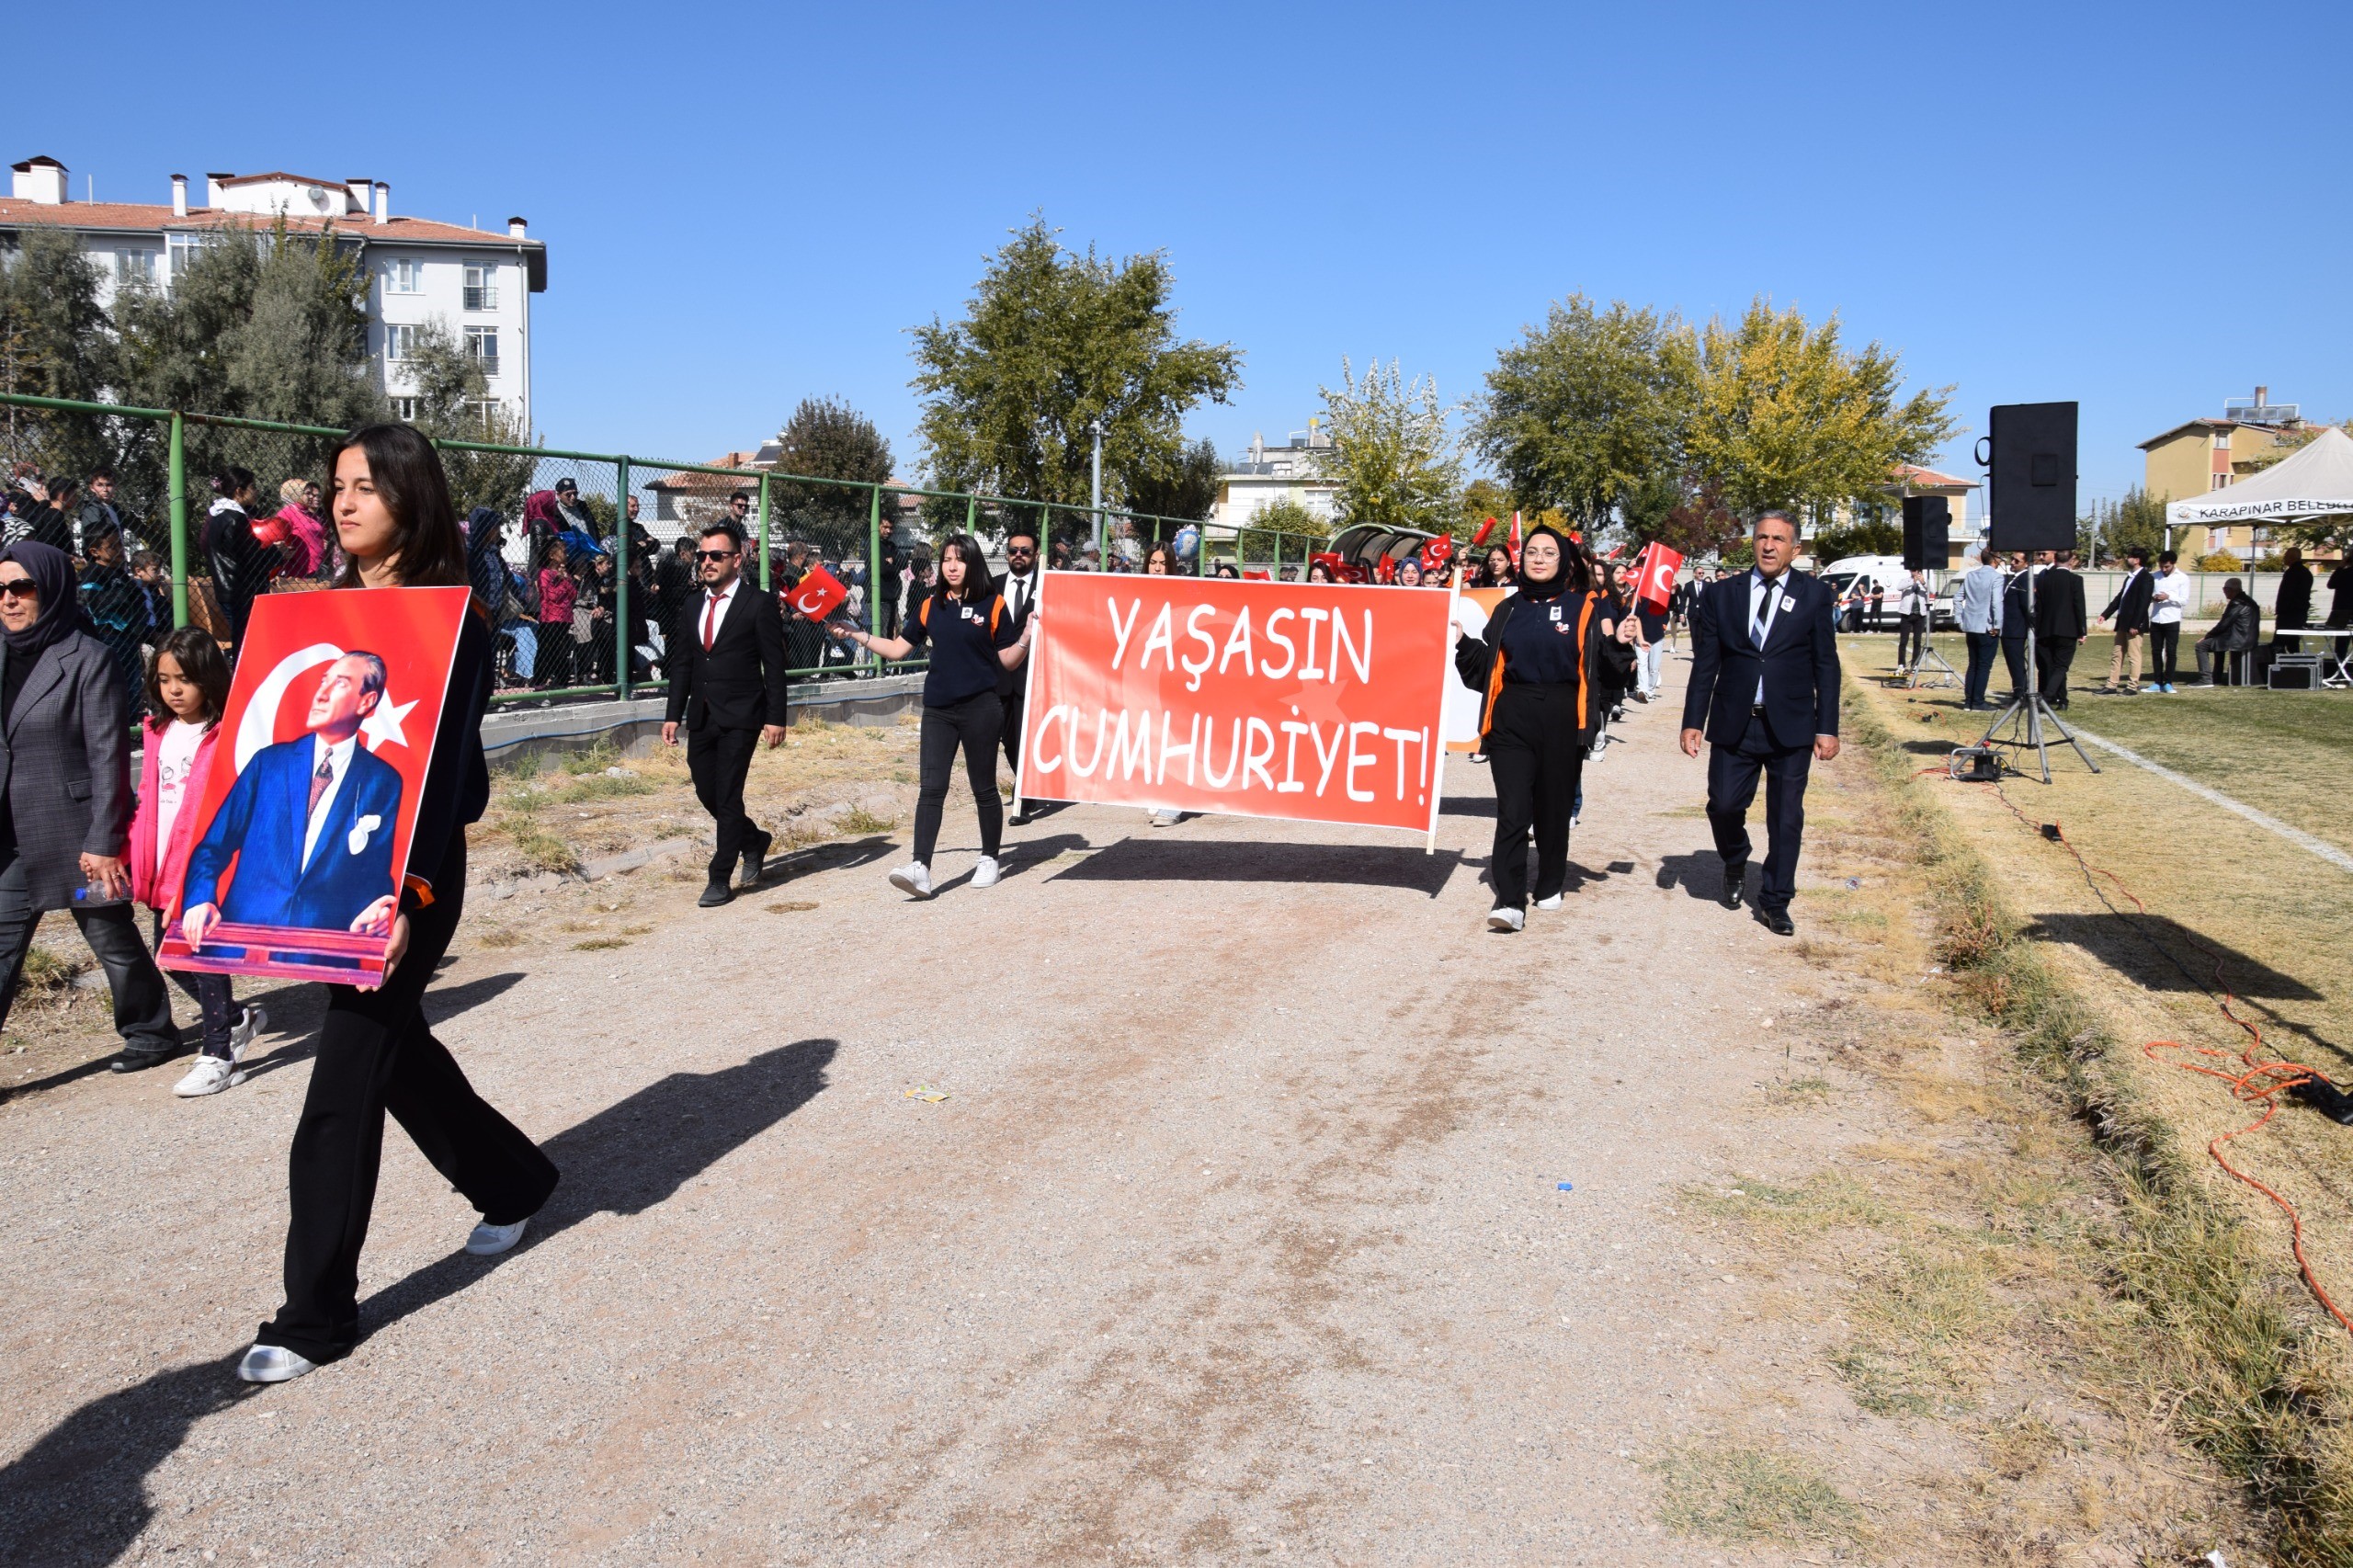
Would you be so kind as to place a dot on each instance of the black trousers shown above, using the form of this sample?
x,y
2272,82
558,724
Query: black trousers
x,y
1732,785
2053,655
1911,637
143,1006
1536,760
553,664
1012,725
2014,657
1981,667
974,724
2164,651
719,760
215,998
377,1055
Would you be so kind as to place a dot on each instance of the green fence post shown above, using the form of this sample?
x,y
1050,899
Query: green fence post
x,y
624,645
874,566
178,464
972,516
764,585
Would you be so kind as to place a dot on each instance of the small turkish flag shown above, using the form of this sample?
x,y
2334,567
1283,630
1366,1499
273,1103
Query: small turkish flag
x,y
817,595
1655,582
1515,541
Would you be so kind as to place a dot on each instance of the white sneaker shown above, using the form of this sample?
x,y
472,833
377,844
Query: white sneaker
x,y
915,880
209,1076
1166,819
985,874
273,1364
1552,903
1502,919
489,1239
248,1030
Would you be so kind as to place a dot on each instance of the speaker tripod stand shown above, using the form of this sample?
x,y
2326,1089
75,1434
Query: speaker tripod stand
x,y
2028,712
1927,658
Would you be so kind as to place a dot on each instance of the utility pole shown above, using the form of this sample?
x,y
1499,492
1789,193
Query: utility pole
x,y
1102,560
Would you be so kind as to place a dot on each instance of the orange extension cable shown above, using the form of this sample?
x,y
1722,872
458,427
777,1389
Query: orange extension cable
x,y
2260,1083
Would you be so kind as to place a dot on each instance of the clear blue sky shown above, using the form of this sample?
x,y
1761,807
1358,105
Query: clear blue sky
x,y
745,205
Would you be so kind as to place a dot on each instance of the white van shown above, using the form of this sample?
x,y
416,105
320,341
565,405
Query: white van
x,y
1855,578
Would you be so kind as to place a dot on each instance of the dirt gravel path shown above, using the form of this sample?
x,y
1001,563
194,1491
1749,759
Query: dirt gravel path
x,y
1242,1237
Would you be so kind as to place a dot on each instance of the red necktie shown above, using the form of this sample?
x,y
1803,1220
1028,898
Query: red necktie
x,y
710,623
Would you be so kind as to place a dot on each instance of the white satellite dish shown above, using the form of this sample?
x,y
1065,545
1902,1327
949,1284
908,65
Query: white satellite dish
x,y
318,197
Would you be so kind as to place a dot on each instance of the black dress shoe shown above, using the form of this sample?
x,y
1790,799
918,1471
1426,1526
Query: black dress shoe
x,y
1736,888
138,1058
1776,921
1020,819
756,860
716,894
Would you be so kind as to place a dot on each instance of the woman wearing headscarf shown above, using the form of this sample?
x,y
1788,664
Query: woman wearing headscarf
x,y
306,536
1541,664
65,808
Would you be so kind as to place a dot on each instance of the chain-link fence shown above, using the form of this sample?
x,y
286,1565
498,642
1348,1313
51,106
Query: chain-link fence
x,y
177,517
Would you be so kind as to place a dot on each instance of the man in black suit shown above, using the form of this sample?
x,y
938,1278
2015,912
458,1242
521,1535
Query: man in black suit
x,y
2130,610
2016,624
2059,625
727,683
1764,695
1019,590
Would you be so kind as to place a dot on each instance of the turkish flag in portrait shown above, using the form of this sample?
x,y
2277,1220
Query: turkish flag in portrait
x,y
1655,582
302,832
817,595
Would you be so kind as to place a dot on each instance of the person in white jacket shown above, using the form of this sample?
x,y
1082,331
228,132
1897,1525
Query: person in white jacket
x,y
2166,603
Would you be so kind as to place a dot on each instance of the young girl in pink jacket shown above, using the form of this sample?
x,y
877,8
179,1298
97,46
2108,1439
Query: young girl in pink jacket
x,y
189,681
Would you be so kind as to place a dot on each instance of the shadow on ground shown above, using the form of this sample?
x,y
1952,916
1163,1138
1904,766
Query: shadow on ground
x,y
1189,859
2161,954
1702,875
78,1496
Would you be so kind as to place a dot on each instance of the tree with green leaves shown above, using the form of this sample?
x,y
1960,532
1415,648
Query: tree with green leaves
x,y
1483,498
1589,408
55,341
1393,449
2114,527
453,404
829,439
1784,414
261,325
1050,343
1187,490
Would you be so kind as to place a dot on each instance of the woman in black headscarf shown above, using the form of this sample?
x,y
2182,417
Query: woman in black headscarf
x,y
65,810
1543,664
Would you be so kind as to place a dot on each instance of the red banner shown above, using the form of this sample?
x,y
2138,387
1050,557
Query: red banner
x,y
302,833
1312,701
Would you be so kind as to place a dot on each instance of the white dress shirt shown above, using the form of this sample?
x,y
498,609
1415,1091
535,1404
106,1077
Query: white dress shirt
x,y
714,611
338,761
1021,593
1765,610
2173,591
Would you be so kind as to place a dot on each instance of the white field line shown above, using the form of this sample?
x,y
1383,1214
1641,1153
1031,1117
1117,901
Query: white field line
x,y
2264,820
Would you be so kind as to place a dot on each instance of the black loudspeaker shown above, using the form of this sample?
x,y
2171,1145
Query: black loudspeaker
x,y
2033,504
1928,533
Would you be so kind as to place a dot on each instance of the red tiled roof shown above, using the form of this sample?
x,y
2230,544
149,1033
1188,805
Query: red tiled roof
x,y
1914,474
278,174
2199,423
139,216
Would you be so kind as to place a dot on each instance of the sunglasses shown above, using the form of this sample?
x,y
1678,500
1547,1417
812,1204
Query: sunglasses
x,y
18,588
714,555
1019,550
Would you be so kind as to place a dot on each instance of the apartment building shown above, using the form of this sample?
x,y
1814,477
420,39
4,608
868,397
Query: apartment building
x,y
476,282
2205,454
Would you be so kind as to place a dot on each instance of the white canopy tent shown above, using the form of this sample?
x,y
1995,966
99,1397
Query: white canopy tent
x,y
2316,480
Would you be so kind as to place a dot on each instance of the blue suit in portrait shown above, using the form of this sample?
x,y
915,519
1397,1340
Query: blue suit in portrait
x,y
262,824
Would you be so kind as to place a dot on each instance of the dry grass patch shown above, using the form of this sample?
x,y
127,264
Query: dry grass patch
x,y
1823,1201
499,937
1736,1493
1924,1324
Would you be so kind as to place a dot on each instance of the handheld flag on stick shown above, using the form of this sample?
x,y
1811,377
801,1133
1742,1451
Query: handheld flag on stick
x,y
1515,541
817,595
1654,580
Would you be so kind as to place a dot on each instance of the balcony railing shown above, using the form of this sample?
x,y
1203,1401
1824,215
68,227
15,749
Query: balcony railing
x,y
482,297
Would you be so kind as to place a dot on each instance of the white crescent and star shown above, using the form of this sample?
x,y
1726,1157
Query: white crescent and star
x,y
259,726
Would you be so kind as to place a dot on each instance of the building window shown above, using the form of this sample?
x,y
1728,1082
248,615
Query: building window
x,y
404,277
179,254
2223,441
2221,479
404,410
400,342
2217,539
134,267
482,342
482,409
481,287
